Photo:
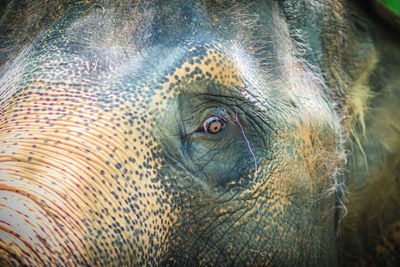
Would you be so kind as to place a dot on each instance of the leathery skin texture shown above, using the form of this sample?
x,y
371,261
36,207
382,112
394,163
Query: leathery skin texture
x,y
216,133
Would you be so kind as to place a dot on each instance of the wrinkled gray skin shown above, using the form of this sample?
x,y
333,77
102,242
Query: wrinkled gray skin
x,y
199,133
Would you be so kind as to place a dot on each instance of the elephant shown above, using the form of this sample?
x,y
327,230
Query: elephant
x,y
199,132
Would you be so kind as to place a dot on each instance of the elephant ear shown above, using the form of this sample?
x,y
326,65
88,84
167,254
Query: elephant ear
x,y
387,13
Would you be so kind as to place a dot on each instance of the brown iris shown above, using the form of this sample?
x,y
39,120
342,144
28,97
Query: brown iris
x,y
214,125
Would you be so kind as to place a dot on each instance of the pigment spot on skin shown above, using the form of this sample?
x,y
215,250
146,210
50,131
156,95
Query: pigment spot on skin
x,y
93,198
61,136
76,160
113,149
213,64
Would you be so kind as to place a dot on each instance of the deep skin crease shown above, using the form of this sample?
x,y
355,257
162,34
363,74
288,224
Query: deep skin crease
x,y
104,159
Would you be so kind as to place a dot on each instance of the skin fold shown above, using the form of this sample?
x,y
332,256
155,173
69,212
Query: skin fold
x,y
186,133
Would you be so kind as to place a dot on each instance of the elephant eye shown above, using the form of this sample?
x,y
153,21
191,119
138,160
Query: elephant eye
x,y
214,125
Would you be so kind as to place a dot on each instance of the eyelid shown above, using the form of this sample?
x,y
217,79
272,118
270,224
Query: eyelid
x,y
197,119
213,119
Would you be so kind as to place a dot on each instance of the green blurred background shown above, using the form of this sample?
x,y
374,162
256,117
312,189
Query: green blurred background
x,y
394,5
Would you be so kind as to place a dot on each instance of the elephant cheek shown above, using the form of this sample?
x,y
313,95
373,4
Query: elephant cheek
x,y
75,192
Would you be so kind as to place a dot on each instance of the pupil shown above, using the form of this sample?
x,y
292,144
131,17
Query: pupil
x,y
213,125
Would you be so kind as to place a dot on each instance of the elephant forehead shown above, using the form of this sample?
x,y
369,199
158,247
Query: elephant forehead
x,y
212,63
199,62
